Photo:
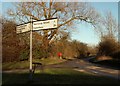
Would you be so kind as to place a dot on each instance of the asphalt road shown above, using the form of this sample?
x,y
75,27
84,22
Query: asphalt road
x,y
85,66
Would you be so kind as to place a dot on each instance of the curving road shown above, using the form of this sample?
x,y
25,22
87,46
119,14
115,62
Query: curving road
x,y
82,66
85,66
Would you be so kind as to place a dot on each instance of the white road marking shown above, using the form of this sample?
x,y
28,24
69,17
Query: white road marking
x,y
109,71
92,67
81,70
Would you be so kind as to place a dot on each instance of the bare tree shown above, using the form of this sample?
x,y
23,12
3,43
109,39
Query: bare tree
x,y
111,24
109,44
66,12
108,26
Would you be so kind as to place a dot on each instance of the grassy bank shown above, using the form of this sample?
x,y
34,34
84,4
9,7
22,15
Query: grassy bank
x,y
110,63
25,64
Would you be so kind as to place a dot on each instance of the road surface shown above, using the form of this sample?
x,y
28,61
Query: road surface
x,y
85,66
82,66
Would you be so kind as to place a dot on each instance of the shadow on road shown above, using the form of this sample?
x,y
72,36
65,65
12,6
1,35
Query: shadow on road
x,y
56,76
112,64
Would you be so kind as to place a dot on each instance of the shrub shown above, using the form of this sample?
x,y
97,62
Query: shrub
x,y
24,55
10,47
108,46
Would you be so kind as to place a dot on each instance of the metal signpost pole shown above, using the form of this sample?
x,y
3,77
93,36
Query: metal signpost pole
x,y
34,26
31,27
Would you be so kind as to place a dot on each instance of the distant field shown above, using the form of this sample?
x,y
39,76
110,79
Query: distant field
x,y
55,76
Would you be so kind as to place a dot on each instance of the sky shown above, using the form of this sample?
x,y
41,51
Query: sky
x,y
84,32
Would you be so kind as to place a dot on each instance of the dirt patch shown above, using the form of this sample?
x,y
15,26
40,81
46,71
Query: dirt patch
x,y
100,58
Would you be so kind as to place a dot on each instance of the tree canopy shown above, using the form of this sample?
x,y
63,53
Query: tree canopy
x,y
66,12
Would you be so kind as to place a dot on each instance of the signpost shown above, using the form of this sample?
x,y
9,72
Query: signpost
x,y
45,24
33,26
31,71
23,28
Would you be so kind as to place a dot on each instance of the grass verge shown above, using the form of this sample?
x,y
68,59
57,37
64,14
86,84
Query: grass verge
x,y
55,76
25,64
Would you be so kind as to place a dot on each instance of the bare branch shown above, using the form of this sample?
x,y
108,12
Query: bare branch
x,y
67,22
54,13
66,12
44,10
50,6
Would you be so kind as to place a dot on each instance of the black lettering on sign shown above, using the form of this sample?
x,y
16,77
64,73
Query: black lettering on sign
x,y
46,22
54,24
37,27
37,23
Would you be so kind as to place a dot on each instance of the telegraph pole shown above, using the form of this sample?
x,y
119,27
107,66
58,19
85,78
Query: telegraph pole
x,y
31,27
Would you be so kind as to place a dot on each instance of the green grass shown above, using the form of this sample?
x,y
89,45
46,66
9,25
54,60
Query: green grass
x,y
48,61
25,64
55,76
15,65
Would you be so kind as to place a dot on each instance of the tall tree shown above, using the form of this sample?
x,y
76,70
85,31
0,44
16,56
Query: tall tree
x,y
10,47
109,33
108,26
66,12
111,24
